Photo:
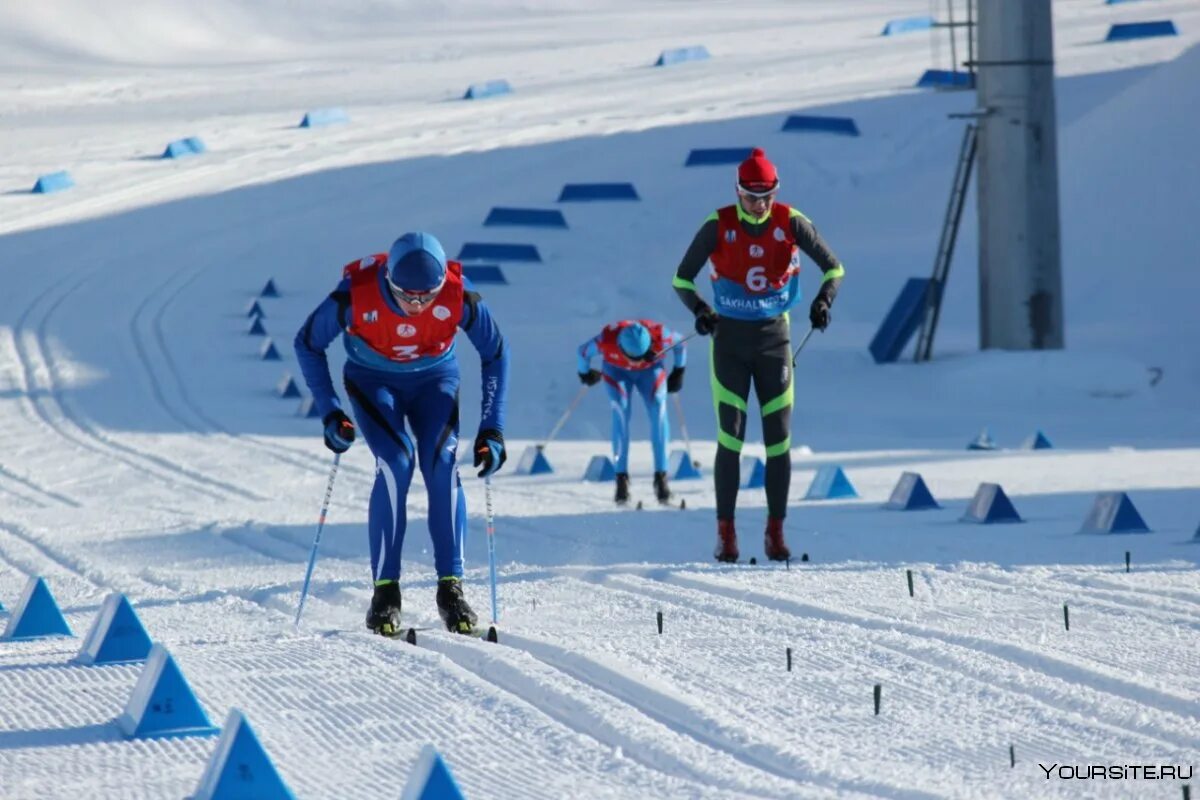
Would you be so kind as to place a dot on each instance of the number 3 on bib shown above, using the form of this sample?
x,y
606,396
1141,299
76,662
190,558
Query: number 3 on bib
x,y
405,352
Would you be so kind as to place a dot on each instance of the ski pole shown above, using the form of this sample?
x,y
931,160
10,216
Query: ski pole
x,y
800,347
491,539
312,556
671,347
687,440
563,419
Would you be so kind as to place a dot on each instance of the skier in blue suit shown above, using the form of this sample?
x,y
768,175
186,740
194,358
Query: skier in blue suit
x,y
632,353
398,314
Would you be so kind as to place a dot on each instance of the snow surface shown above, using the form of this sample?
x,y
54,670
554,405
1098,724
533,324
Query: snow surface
x,y
144,451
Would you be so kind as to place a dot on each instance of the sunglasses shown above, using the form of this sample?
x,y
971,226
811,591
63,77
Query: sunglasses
x,y
414,298
765,194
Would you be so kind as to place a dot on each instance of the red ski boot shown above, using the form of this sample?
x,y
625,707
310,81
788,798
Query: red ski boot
x,y
727,549
776,548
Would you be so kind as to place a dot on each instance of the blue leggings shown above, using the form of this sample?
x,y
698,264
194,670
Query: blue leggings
x,y
652,384
382,402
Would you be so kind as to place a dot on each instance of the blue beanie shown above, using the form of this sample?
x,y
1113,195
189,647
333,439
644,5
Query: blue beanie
x,y
634,340
416,262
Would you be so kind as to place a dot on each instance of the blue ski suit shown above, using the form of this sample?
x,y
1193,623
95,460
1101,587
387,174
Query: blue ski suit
x,y
386,394
651,383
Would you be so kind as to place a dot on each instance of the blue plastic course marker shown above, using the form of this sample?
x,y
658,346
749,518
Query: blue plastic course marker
x,y
497,251
117,636
287,387
1141,30
911,494
945,79
1114,512
526,217
597,192
181,148
600,469
478,91
679,55
323,116
753,473
53,182
1037,441
36,615
681,467
430,779
484,273
240,767
990,505
162,703
534,462
269,290
256,326
717,155
907,25
308,408
255,309
830,483
840,126
982,442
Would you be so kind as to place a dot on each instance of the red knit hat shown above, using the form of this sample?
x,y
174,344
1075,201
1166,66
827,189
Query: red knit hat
x,y
756,173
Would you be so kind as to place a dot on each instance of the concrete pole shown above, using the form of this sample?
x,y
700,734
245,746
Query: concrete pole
x,y
1020,271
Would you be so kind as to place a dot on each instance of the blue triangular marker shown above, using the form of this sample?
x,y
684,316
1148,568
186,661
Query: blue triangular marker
x,y
533,462
116,636
240,768
269,290
162,703
308,408
753,473
267,351
830,483
255,309
1114,512
600,469
1037,441
681,467
431,779
287,387
990,505
36,614
982,442
256,327
911,494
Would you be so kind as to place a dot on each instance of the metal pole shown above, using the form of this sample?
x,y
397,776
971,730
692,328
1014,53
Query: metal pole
x,y
953,36
563,419
687,440
312,556
491,540
800,347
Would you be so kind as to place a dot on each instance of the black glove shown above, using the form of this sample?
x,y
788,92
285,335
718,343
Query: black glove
x,y
590,378
706,320
489,451
675,380
339,431
818,313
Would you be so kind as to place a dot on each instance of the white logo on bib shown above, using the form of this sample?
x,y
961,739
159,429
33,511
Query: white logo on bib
x,y
756,251
441,312
404,329
779,235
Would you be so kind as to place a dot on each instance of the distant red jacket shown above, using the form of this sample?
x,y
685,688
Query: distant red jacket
x,y
612,354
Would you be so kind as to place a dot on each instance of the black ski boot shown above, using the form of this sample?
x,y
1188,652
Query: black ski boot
x,y
622,495
453,608
661,490
383,617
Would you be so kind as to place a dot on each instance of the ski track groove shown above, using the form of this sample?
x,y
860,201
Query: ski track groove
x,y
1044,662
1109,601
207,424
82,438
987,678
73,567
58,498
495,664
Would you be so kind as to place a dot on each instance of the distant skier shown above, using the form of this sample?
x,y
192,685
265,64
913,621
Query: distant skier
x,y
754,247
398,313
632,352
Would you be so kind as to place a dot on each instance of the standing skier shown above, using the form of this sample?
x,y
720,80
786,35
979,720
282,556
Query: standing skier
x,y
632,353
398,313
754,247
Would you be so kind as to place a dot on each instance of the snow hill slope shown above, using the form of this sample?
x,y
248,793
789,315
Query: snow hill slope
x,y
145,452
